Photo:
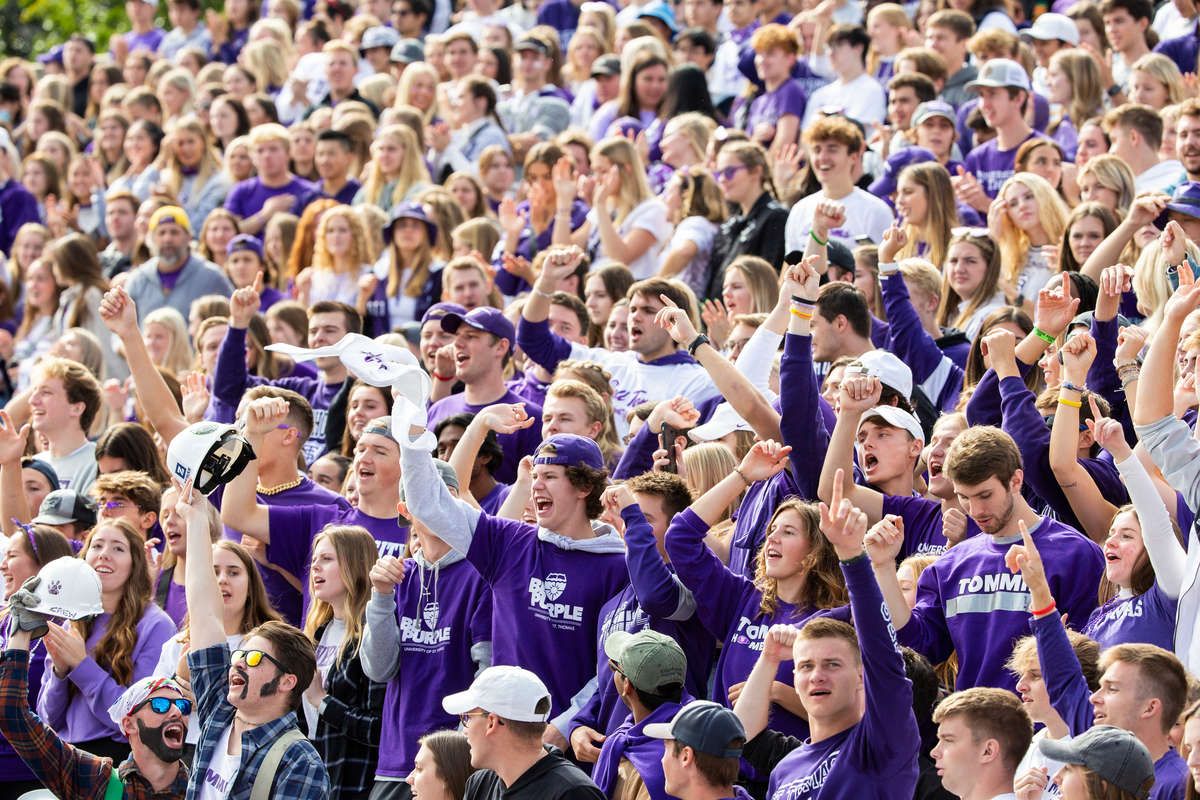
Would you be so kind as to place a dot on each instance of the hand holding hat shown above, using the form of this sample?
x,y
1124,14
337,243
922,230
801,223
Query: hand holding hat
x,y
20,608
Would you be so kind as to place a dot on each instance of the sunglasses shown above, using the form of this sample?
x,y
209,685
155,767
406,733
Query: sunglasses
x,y
728,173
161,705
465,719
253,658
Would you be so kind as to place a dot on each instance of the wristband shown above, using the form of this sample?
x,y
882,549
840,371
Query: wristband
x,y
888,268
1072,387
540,293
695,345
1062,401
853,560
817,239
1041,612
1041,334
798,299
443,377
801,314
742,475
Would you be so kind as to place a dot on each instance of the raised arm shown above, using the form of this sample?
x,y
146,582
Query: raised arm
x,y
13,504
119,313
240,509
753,706
659,592
1154,393
428,500
205,607
1144,211
858,394
737,389
380,649
534,336
1092,509
467,449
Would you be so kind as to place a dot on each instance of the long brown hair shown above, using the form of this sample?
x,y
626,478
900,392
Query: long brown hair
x,y
114,651
452,759
1142,576
975,368
953,310
356,554
76,258
823,584
941,215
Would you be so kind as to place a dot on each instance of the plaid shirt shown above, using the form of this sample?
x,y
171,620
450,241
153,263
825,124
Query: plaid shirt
x,y
301,774
66,770
349,724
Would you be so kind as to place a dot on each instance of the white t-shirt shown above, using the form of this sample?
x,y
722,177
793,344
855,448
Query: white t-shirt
x,y
866,214
861,99
648,215
339,286
168,662
1034,275
327,650
1159,178
221,770
701,232
1034,757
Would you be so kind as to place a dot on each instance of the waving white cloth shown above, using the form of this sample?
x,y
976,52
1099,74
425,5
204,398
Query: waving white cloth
x,y
382,365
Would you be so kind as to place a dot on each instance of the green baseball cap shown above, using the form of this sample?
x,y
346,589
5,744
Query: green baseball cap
x,y
649,659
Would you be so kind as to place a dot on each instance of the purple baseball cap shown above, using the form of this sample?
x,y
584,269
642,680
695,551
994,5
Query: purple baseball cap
x,y
438,311
484,318
411,210
569,450
885,184
246,242
1186,199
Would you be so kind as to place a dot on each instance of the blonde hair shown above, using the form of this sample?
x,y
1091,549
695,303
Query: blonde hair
x,y
172,171
356,554
412,167
707,464
697,127
761,279
569,72
479,233
892,14
418,69
265,134
179,353
1112,173
1087,87
267,62
360,252
1166,72
598,410
181,79
1052,216
1150,282
634,187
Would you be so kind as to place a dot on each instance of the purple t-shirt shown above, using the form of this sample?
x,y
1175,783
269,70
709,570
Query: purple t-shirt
x,y
12,767
1148,617
441,614
491,502
546,602
148,41
991,165
969,602
176,605
295,527
922,525
515,445
247,198
769,107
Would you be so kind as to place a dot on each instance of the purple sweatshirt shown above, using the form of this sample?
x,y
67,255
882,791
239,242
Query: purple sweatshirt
x,y
1148,617
515,445
248,197
922,525
876,757
17,207
230,381
1070,697
77,706
968,601
937,375
1023,421
730,607
442,613
546,602
629,742
654,599
529,245
991,165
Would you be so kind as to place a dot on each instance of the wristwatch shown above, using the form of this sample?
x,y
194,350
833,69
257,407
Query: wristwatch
x,y
699,340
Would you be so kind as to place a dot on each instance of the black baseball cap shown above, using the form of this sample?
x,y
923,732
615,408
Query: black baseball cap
x,y
704,726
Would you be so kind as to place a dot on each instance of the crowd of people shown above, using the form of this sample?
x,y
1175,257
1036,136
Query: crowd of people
x,y
798,400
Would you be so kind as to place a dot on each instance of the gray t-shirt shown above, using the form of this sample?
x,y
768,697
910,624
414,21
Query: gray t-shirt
x,y
76,471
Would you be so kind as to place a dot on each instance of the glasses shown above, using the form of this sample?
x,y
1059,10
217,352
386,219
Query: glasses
x,y
727,174
115,505
465,719
616,668
1049,420
253,658
161,705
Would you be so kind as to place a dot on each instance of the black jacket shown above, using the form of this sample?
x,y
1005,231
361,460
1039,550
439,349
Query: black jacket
x,y
758,233
551,778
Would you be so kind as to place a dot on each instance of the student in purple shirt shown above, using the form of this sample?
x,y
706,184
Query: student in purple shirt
x,y
483,343
428,633
548,581
968,601
796,578
91,664
982,735
17,205
1143,688
328,323
275,189
145,35
333,159
703,752
774,116
851,683
1004,90
377,475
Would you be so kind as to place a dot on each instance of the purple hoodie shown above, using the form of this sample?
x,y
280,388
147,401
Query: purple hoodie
x,y
77,706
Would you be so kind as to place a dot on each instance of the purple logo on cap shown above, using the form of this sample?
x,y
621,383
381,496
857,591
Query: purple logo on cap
x,y
55,587
377,359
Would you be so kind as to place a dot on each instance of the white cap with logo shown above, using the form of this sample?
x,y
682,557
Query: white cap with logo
x,y
1000,73
895,417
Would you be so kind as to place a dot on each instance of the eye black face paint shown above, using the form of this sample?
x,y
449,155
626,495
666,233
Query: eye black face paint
x,y
270,688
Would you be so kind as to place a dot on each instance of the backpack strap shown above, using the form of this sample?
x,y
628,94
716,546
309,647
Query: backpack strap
x,y
261,790
115,790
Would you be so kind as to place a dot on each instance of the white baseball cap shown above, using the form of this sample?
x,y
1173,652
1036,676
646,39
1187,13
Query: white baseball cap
x,y
999,73
890,370
723,422
1050,27
508,692
895,417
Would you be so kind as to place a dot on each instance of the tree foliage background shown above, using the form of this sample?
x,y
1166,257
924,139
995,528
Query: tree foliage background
x,y
31,27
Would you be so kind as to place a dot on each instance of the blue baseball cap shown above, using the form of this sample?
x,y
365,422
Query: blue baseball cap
x,y
662,12
484,318
245,242
411,210
569,450
704,726
885,184
439,310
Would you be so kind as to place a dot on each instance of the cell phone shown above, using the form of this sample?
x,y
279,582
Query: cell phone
x,y
666,438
